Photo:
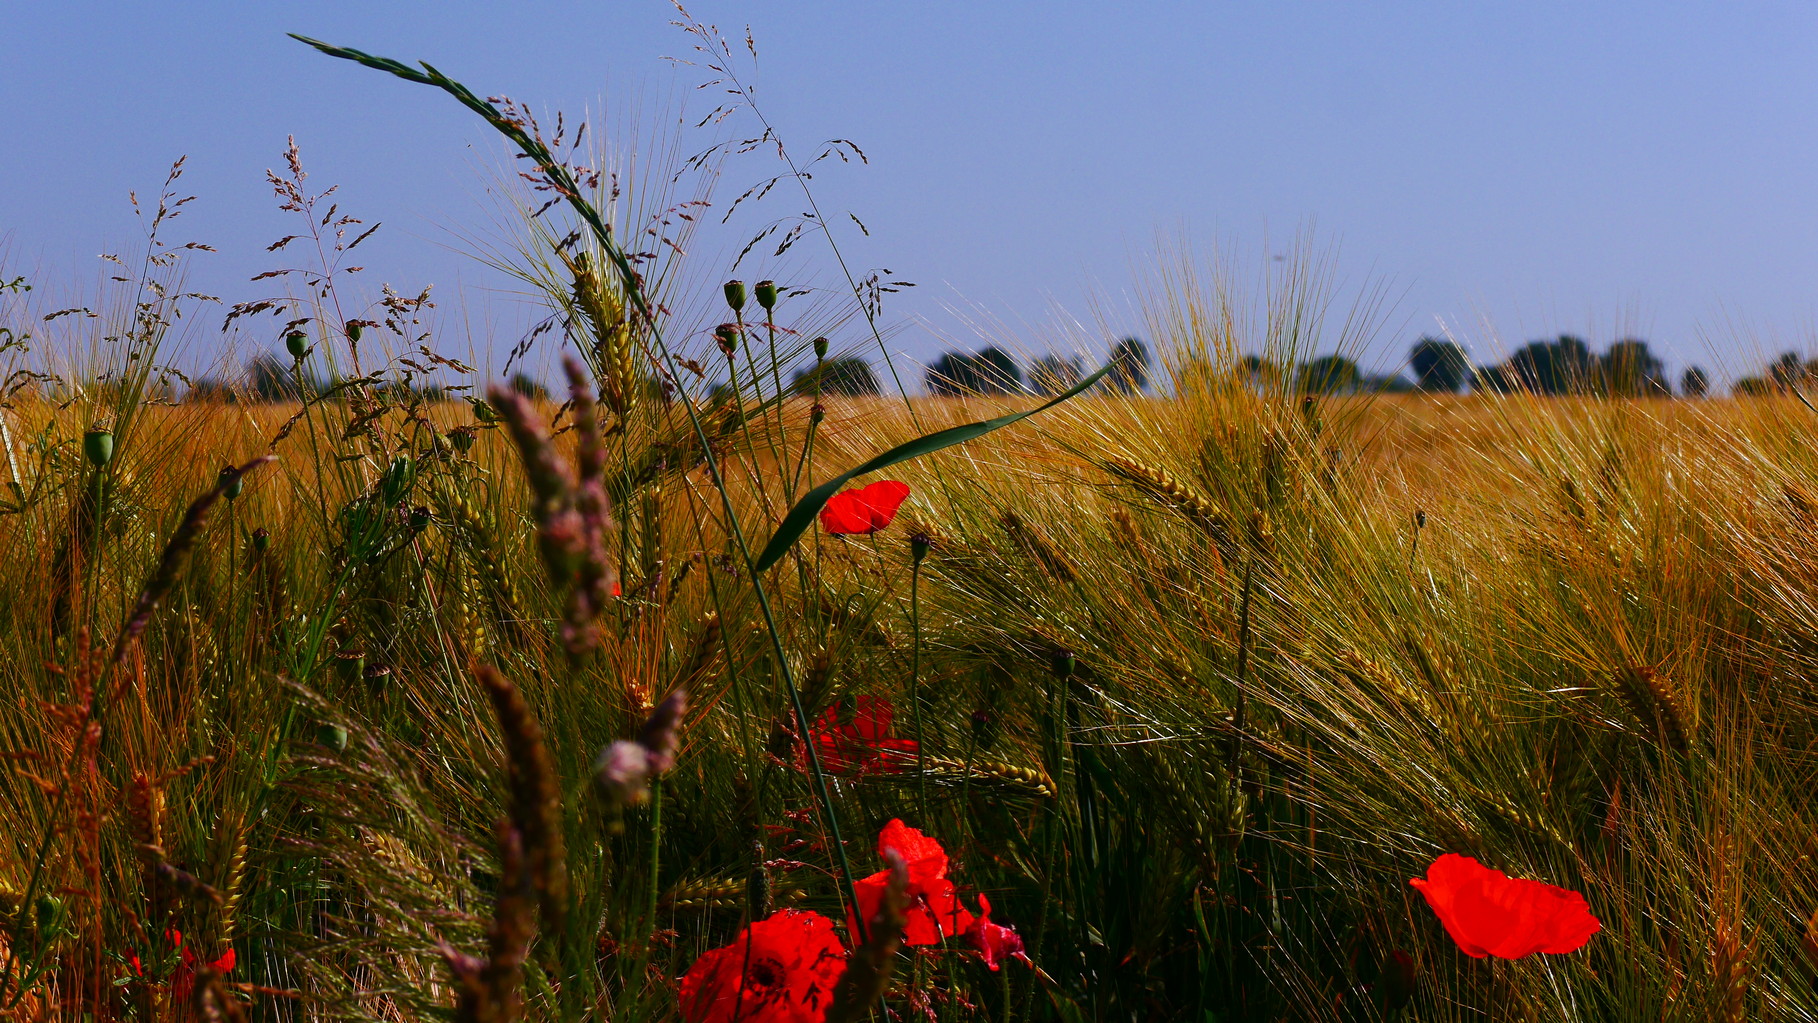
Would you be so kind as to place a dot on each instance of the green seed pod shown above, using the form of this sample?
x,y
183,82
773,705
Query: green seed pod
x,y
98,445
332,736
918,547
398,480
296,344
817,413
726,335
354,327
419,519
261,539
735,295
1063,664
766,294
228,472
462,438
820,348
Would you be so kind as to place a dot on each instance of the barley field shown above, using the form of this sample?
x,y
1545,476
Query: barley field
x,y
331,695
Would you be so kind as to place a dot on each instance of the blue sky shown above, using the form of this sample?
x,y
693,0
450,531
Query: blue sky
x,y
1510,170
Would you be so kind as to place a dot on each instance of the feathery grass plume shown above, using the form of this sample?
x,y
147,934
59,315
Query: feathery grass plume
x,y
624,770
536,797
869,967
486,990
595,575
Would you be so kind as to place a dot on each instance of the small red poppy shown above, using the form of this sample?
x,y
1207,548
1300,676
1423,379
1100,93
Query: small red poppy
x,y
861,742
865,510
183,978
1489,913
935,912
994,941
781,969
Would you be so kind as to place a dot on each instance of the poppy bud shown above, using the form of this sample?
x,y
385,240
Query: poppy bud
x,y
820,348
98,445
766,294
1063,664
735,295
816,413
727,336
985,729
49,910
332,736
261,539
1396,984
235,484
354,328
1420,519
419,519
918,547
462,438
397,480
296,344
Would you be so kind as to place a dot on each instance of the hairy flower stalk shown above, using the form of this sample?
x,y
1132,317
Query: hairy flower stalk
x,y
535,807
572,511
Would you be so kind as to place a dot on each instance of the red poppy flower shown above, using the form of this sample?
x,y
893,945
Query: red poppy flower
x,y
779,970
935,912
1489,913
847,745
994,942
865,510
183,978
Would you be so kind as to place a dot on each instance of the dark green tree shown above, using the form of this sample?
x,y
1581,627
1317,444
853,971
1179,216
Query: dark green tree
x,y
1694,383
1130,367
1053,374
1439,365
848,375
1328,374
1630,370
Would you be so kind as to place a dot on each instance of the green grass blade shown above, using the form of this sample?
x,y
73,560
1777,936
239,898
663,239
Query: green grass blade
x,y
802,515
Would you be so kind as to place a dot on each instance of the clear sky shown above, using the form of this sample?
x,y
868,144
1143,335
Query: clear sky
x,y
1512,170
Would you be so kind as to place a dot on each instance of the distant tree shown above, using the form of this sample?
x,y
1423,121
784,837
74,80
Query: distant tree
x,y
1129,367
1562,366
1693,383
271,380
1261,373
1630,370
1053,374
528,386
1328,374
210,389
1439,366
849,376
998,372
1786,370
951,375
1497,379
1394,383
1751,387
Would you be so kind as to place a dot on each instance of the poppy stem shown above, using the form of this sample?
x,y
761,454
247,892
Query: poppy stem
x,y
915,686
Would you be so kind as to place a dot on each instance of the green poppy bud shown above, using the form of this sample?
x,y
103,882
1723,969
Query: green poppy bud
x,y
332,736
397,480
820,348
231,476
296,344
98,445
766,294
261,539
419,519
727,336
735,295
918,547
354,327
817,413
462,438
1063,664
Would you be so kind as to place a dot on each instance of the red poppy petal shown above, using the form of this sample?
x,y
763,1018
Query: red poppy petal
x,y
1489,913
845,513
225,963
923,854
779,970
882,500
